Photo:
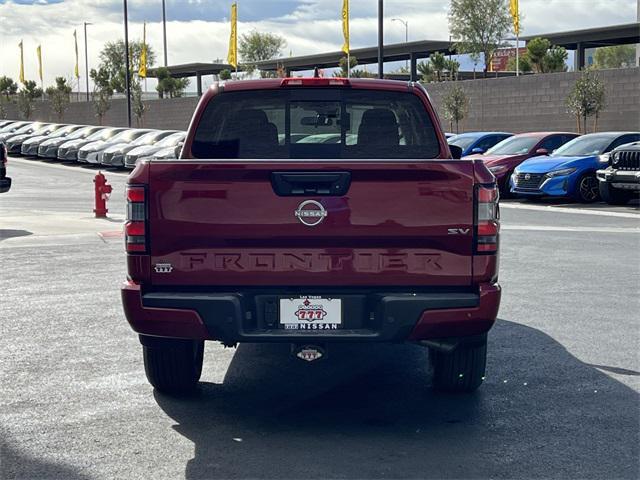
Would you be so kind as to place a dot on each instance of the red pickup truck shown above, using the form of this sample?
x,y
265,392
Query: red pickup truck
x,y
312,211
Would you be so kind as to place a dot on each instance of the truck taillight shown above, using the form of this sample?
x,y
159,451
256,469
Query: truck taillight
x,y
487,219
135,228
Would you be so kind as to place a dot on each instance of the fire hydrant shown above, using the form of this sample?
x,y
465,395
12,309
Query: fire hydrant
x,y
103,192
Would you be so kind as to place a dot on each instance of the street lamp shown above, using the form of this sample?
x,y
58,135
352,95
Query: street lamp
x,y
164,31
381,39
127,75
86,57
406,32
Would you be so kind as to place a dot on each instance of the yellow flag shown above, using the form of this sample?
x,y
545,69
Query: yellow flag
x,y
21,75
515,14
39,52
142,72
232,58
345,26
76,71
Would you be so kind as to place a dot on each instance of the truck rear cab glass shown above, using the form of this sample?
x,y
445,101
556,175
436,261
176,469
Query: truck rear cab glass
x,y
316,123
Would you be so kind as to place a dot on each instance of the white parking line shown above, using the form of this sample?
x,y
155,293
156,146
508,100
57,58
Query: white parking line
x,y
553,228
60,166
581,211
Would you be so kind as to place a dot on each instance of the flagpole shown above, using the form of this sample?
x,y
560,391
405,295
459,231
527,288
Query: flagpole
x,y
518,53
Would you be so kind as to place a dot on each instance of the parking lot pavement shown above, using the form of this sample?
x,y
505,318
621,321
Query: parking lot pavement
x,y
560,400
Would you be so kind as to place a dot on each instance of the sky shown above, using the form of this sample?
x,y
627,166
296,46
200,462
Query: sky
x,y
198,30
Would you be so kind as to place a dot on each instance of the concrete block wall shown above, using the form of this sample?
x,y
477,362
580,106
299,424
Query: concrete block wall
x,y
538,102
514,104
169,114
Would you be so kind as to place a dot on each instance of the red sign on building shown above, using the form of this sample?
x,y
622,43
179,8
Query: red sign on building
x,y
501,58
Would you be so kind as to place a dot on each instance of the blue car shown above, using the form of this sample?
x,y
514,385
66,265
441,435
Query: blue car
x,y
473,143
570,171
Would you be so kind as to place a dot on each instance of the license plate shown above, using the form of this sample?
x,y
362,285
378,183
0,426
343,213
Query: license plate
x,y
310,313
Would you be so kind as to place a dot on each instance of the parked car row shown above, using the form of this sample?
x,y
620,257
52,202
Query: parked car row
x,y
108,146
550,164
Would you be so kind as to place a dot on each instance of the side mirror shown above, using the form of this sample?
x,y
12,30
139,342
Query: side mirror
x,y
3,154
456,152
178,150
542,151
478,150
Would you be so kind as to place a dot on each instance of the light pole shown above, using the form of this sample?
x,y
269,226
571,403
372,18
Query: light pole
x,y
380,39
86,57
127,74
164,32
406,33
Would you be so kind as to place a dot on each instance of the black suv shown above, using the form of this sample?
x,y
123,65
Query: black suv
x,y
620,181
5,182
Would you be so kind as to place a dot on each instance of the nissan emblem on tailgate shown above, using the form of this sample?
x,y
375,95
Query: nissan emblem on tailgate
x,y
311,213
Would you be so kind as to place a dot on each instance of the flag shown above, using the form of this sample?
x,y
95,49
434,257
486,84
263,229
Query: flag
x,y
232,58
515,14
76,71
21,76
39,52
142,72
345,26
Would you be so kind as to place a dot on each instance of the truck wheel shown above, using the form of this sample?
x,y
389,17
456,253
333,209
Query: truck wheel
x,y
461,370
614,196
172,366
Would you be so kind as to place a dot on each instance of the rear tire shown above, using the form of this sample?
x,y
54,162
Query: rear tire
x,y
173,366
460,371
614,196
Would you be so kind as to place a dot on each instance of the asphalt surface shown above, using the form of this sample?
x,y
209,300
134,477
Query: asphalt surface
x,y
561,398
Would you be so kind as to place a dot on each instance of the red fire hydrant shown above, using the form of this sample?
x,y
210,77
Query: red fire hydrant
x,y
103,192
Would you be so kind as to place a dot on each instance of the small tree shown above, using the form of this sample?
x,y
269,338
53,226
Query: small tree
x,y
556,59
102,92
256,46
60,97
455,104
426,71
137,104
26,96
536,51
438,64
168,86
615,57
587,99
112,60
225,74
8,87
479,27
452,67
546,58
523,63
353,62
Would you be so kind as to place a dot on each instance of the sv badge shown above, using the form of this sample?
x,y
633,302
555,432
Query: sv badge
x,y
459,231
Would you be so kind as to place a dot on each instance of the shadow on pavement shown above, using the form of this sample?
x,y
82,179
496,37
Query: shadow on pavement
x,y
368,412
7,234
14,465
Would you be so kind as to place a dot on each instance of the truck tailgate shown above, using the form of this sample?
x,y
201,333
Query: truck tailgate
x,y
221,223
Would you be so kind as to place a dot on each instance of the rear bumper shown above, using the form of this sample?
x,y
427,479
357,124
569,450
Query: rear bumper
x,y
233,317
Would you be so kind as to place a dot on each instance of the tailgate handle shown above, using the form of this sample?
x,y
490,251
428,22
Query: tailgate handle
x,y
325,184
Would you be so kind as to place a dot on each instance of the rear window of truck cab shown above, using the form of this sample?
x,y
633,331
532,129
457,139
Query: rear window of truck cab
x,y
315,124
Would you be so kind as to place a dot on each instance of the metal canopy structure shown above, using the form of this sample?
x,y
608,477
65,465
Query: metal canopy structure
x,y
580,40
398,51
